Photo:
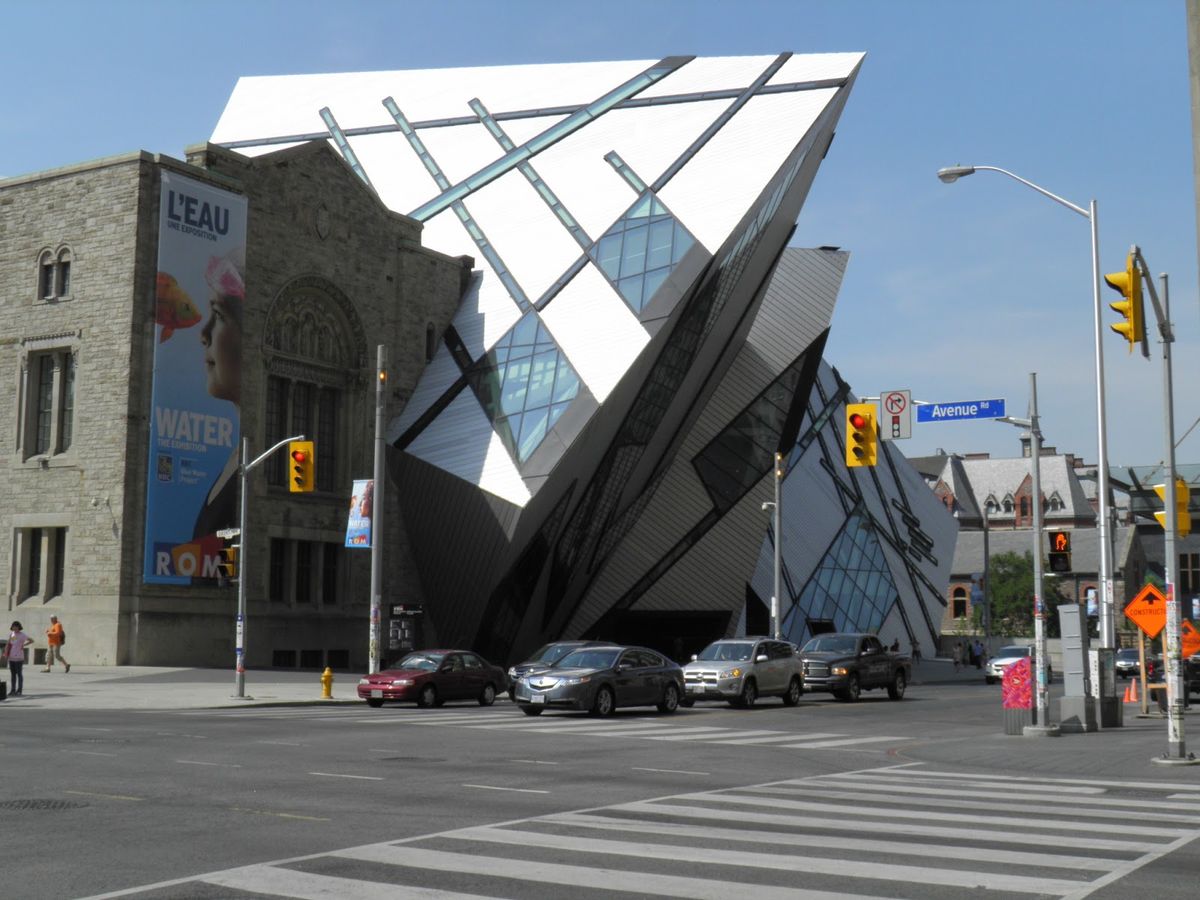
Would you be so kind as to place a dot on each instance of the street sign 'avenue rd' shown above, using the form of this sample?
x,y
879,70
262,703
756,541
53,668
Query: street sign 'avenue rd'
x,y
961,409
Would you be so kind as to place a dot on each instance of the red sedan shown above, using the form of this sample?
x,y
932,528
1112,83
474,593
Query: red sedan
x,y
431,677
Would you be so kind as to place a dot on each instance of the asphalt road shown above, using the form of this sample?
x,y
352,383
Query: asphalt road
x,y
920,798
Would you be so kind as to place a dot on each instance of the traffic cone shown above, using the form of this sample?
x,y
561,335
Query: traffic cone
x,y
1128,698
1133,690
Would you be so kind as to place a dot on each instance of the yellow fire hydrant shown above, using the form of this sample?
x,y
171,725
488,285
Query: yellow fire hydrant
x,y
327,684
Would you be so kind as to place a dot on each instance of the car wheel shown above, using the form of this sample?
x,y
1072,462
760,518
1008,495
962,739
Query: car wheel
x,y
749,694
603,704
795,689
428,697
532,710
375,702
488,697
851,691
896,688
687,702
988,679
670,700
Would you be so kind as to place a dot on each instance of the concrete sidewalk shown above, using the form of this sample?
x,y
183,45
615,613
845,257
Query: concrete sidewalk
x,y
151,687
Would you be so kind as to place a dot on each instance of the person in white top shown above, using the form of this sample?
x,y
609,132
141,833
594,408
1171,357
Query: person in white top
x,y
14,655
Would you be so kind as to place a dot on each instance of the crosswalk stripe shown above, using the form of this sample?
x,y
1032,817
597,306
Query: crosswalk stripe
x,y
638,883
844,742
808,839
944,796
1001,881
856,809
913,829
280,882
1139,785
770,737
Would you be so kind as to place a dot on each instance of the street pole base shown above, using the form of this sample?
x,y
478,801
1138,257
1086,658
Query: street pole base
x,y
1041,731
1167,760
240,697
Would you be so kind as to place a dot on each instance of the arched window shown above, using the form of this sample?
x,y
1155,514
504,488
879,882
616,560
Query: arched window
x,y
960,603
54,274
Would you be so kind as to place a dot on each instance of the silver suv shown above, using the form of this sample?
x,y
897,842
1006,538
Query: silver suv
x,y
740,670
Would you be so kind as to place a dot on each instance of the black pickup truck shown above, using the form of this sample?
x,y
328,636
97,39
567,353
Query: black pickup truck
x,y
847,664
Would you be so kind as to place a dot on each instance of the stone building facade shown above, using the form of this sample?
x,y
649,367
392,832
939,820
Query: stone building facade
x,y
330,273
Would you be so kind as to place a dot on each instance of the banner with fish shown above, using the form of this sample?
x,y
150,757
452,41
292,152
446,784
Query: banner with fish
x,y
199,291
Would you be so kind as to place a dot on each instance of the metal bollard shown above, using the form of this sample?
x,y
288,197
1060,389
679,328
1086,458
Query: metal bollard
x,y
327,684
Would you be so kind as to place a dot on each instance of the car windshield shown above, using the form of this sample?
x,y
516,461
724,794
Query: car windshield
x,y
551,653
1011,652
1127,653
589,659
427,661
727,651
839,643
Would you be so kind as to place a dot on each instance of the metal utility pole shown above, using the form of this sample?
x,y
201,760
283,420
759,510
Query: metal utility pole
x,y
775,601
244,469
1176,691
377,512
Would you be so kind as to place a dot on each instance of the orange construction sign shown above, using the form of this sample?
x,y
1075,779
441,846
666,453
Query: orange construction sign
x,y
1148,610
1190,638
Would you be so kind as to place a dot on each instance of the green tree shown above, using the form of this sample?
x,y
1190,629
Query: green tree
x,y
1010,576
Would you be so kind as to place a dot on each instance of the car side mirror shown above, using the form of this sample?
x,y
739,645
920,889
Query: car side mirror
x,y
694,657
762,657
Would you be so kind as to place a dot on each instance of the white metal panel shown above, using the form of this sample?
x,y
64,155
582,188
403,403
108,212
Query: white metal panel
x,y
596,330
816,67
460,150
721,182
534,244
435,380
396,172
461,441
711,73
648,138
289,104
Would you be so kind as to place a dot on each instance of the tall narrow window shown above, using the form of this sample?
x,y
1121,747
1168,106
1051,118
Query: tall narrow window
x,y
58,563
64,276
327,440
33,583
46,287
302,409
275,585
304,571
66,416
276,425
329,575
45,403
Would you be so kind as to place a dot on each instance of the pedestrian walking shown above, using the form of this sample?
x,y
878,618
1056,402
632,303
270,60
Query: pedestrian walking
x,y
916,653
895,648
978,648
55,638
14,655
958,655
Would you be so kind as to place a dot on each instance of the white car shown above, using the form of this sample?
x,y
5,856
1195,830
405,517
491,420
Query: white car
x,y
1006,656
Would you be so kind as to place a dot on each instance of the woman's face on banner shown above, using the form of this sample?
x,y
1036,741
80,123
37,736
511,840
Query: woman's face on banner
x,y
222,341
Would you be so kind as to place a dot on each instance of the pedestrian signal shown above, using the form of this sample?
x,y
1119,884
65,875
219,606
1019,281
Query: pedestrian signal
x,y
301,467
1060,551
1183,519
862,438
1129,285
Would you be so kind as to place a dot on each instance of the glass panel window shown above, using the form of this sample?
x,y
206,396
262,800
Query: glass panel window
x,y
45,403
329,574
275,582
276,423
67,412
304,572
327,444
301,408
58,562
64,278
46,288
34,579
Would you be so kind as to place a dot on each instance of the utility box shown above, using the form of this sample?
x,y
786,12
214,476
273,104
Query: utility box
x,y
1077,711
1016,688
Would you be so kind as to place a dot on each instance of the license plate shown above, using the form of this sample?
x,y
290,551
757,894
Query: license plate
x,y
695,687
538,698
377,695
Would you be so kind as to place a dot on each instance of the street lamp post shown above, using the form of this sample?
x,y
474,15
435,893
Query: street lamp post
x,y
951,174
776,507
1042,728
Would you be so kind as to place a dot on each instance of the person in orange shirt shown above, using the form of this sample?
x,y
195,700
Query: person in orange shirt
x,y
55,637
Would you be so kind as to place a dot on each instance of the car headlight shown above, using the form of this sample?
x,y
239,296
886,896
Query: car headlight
x,y
840,670
401,682
364,681
732,673
581,679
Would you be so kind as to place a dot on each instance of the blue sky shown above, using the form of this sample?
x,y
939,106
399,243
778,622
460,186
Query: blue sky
x,y
955,292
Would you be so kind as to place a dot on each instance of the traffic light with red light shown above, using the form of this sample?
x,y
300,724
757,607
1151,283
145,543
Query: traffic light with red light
x,y
1129,285
302,466
862,438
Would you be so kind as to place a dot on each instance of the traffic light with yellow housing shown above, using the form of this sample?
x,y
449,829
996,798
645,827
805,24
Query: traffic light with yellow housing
x,y
862,438
302,466
1183,519
1129,285
227,568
